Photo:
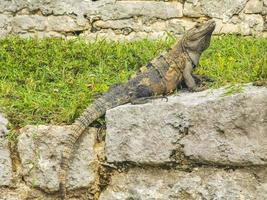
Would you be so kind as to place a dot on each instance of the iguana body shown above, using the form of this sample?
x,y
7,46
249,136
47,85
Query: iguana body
x,y
159,77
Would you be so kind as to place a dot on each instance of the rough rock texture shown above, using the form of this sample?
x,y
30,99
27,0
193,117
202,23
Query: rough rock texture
x,y
5,160
204,183
193,10
254,6
208,127
222,9
127,19
40,160
207,145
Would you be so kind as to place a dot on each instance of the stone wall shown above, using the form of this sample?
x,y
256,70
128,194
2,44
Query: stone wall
x,y
207,145
128,19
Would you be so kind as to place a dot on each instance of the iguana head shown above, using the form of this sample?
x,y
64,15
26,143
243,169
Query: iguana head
x,y
197,39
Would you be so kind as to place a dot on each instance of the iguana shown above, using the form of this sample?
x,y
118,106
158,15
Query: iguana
x,y
159,77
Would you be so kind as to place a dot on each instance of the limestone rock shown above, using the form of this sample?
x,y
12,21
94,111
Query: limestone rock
x,y
11,6
222,9
133,24
67,7
148,9
66,24
226,27
40,150
5,159
5,27
264,10
254,7
24,23
192,10
208,127
251,24
126,26
204,183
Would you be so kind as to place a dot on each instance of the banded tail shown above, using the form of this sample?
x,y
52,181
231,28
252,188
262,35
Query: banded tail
x,y
93,112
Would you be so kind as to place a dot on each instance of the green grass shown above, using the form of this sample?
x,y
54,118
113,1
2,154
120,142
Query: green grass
x,y
53,80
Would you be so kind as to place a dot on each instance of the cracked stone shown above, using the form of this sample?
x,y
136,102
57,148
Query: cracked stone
x,y
66,24
24,23
205,127
204,183
40,150
192,10
5,27
222,9
128,9
254,7
5,159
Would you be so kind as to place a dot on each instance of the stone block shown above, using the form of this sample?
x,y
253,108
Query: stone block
x,y
203,183
192,10
148,9
222,9
25,23
40,149
205,128
66,24
5,26
5,159
254,7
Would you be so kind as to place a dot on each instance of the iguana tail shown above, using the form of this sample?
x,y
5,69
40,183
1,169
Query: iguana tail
x,y
93,112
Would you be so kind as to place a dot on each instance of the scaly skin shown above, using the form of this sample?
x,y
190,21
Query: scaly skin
x,y
159,77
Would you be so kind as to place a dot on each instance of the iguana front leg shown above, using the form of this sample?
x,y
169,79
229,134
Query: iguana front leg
x,y
189,79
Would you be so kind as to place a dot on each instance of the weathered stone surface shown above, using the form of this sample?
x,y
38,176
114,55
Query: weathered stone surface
x,y
264,9
205,127
66,24
254,7
19,193
5,160
253,21
251,24
11,6
192,10
111,35
67,7
5,27
128,20
176,26
148,9
222,9
40,160
24,23
222,27
205,183
133,24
